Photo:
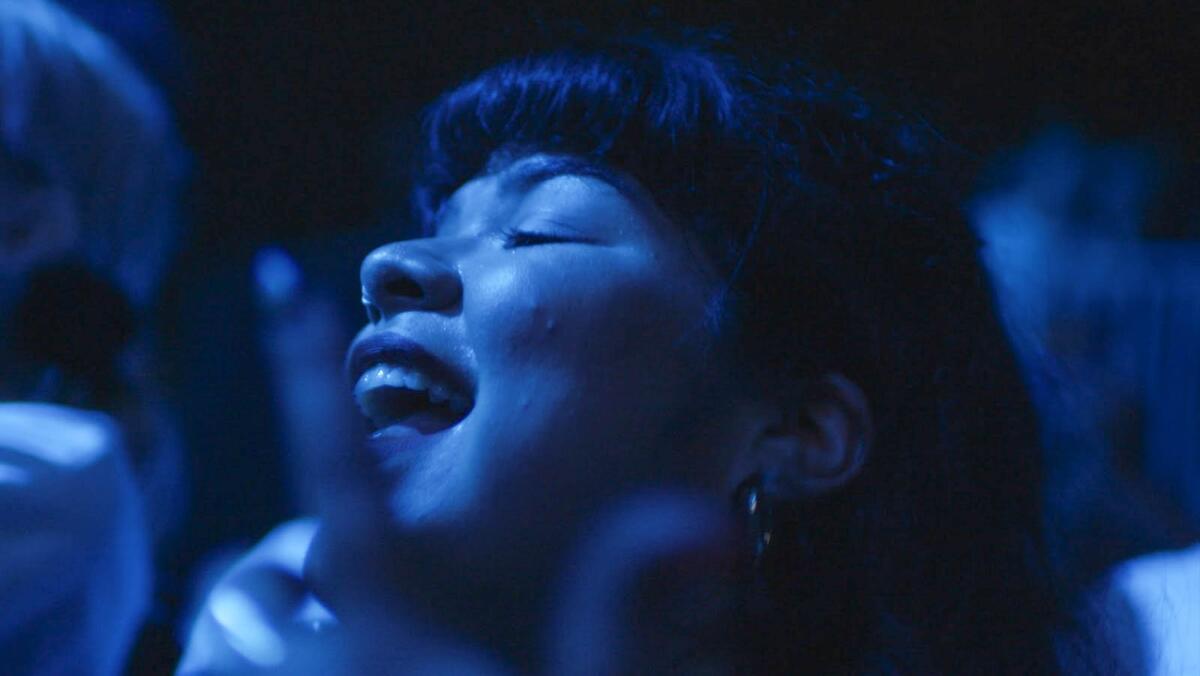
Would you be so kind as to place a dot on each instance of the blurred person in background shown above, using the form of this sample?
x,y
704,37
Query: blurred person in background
x,y
1095,252
90,468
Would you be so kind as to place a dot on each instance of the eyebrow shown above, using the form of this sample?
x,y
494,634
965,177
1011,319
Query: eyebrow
x,y
526,173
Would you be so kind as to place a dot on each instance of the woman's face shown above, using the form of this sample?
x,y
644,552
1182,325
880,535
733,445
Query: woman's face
x,y
546,350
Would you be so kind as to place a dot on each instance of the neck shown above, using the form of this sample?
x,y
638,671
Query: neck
x,y
495,607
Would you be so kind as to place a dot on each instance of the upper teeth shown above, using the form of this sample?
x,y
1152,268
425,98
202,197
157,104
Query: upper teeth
x,y
391,375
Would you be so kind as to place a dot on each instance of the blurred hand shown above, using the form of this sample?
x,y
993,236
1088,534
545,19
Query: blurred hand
x,y
304,343
75,565
260,619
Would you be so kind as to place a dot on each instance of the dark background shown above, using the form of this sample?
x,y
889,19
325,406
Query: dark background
x,y
286,96
287,108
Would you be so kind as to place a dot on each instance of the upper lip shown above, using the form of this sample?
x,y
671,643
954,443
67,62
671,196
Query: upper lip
x,y
393,348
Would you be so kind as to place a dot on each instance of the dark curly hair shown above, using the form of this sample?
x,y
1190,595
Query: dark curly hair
x,y
835,224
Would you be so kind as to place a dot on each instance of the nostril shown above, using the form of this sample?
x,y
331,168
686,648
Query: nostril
x,y
403,287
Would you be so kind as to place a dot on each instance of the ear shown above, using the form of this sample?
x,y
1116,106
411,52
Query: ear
x,y
814,442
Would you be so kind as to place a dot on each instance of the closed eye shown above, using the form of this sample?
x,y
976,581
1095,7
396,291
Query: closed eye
x,y
518,238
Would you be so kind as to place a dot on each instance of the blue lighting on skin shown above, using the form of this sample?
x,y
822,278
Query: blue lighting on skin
x,y
246,628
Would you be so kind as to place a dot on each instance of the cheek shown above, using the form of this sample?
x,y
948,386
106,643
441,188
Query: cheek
x,y
578,360
513,313
604,311
594,336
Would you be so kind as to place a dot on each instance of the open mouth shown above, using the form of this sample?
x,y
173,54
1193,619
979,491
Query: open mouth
x,y
391,394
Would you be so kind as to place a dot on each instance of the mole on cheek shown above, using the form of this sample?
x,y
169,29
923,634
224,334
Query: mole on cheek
x,y
543,323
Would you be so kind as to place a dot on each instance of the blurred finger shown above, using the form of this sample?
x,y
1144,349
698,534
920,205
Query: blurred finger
x,y
250,617
304,343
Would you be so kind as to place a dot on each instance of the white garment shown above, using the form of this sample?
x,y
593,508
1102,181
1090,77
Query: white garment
x,y
1164,590
75,569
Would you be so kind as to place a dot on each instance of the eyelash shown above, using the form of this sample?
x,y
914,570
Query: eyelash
x,y
516,238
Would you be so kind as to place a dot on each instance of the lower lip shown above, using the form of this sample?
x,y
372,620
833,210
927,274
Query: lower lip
x,y
413,430
396,444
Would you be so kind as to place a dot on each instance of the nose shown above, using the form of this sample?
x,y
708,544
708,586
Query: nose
x,y
406,276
